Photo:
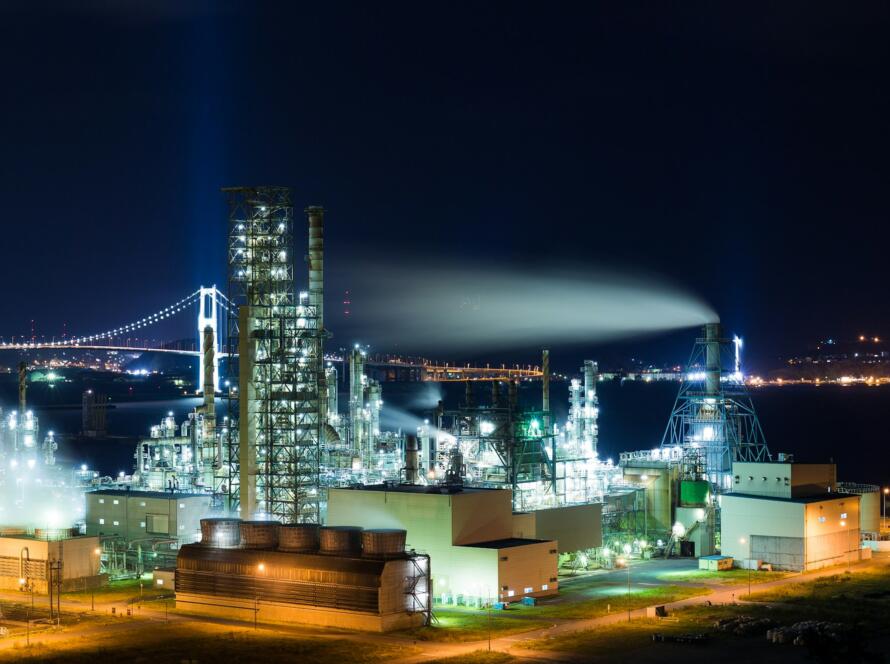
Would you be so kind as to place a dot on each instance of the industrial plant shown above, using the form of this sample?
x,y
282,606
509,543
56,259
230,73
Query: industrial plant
x,y
281,505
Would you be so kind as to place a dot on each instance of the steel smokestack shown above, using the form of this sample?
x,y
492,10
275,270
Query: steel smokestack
x,y
315,214
23,386
545,388
412,465
712,358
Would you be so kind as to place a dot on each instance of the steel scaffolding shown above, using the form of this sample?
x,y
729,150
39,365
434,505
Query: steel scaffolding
x,y
713,421
274,464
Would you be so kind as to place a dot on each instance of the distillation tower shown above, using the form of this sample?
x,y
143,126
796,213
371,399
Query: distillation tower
x,y
279,338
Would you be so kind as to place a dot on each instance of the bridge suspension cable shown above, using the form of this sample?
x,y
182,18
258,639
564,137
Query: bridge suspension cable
x,y
151,319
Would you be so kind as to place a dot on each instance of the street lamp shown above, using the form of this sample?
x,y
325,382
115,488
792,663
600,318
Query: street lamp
x,y
261,568
626,562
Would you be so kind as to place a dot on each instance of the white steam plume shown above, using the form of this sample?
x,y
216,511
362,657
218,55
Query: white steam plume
x,y
454,306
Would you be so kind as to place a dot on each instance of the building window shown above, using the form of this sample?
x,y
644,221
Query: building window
x,y
115,502
503,558
552,551
510,593
101,522
160,582
101,501
821,519
843,515
157,523
545,587
529,590
117,523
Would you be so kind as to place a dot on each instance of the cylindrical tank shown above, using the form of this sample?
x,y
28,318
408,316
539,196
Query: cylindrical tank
x,y
55,533
298,537
383,542
340,539
259,534
222,533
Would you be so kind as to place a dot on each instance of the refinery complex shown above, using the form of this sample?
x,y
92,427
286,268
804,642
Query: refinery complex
x,y
291,496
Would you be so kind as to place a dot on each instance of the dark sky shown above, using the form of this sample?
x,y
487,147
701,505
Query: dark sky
x,y
741,151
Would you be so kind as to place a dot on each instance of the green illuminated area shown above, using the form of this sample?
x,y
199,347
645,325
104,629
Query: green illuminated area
x,y
458,624
122,590
729,577
600,601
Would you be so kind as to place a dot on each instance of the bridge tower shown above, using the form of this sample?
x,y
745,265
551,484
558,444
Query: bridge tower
x,y
207,317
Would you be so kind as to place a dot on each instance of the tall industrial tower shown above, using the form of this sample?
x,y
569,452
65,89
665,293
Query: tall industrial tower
x,y
278,335
713,420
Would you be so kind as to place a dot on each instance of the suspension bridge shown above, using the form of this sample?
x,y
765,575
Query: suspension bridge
x,y
210,302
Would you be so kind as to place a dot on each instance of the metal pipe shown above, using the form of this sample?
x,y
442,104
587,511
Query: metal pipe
x,y
23,386
208,443
545,389
590,405
356,397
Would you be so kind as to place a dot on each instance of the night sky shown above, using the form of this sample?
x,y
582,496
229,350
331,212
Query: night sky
x,y
741,152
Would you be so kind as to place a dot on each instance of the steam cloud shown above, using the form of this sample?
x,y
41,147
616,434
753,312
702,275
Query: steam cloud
x,y
458,307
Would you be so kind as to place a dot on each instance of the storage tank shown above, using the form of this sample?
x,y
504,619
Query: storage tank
x,y
259,534
224,533
340,539
383,542
55,533
298,537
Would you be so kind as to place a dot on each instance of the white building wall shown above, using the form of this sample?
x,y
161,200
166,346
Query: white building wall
x,y
742,517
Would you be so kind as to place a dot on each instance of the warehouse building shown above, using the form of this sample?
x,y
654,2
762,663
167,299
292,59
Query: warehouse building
x,y
336,577
141,529
789,516
573,527
467,532
60,558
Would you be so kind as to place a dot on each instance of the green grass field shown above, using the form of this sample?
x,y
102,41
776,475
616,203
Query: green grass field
x,y
730,577
573,604
456,624
123,590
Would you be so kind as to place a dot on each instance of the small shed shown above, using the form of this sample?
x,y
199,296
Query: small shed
x,y
715,563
